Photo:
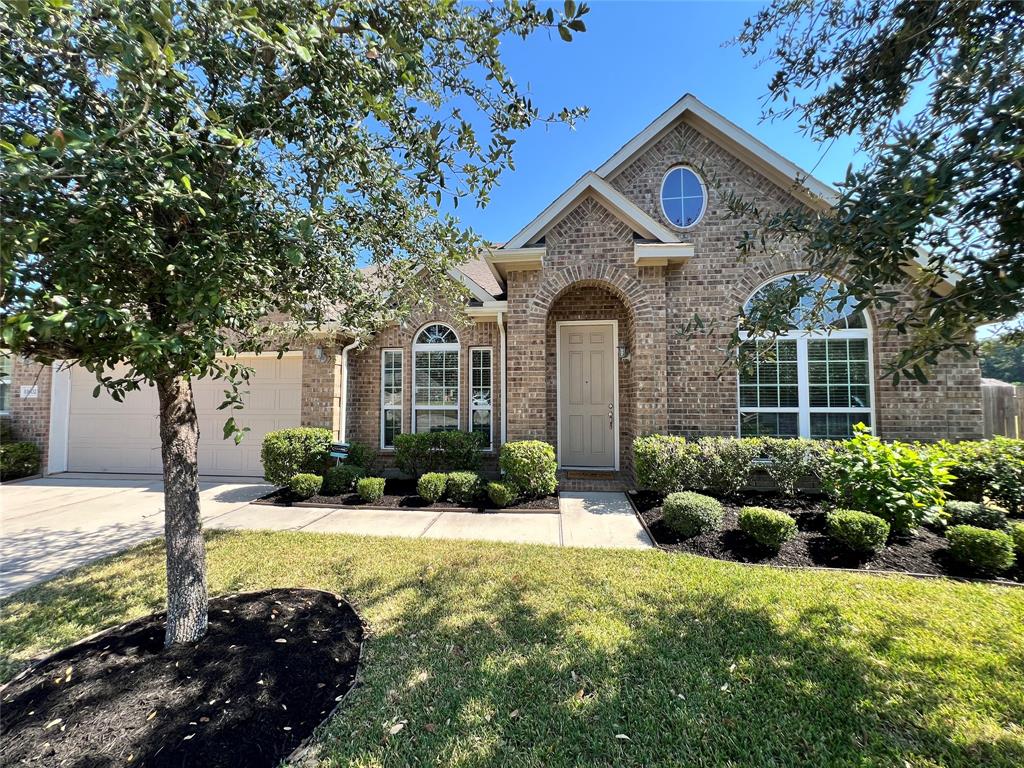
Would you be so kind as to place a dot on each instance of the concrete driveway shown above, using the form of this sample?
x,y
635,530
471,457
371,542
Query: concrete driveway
x,y
56,523
53,524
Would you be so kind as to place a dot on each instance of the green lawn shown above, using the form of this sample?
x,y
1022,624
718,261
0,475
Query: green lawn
x,y
509,655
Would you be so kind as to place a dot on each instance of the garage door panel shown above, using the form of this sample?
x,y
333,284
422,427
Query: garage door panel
x,y
107,436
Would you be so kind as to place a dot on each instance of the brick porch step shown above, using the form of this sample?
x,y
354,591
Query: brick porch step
x,y
591,480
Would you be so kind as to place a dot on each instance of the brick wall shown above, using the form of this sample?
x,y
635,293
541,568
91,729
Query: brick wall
x,y
29,418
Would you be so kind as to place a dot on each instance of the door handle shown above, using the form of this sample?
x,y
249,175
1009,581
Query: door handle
x,y
611,416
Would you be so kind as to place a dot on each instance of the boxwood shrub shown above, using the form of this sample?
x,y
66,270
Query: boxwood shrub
x,y
975,513
502,494
788,460
666,463
768,527
464,487
857,531
305,485
370,489
531,466
983,551
341,479
419,453
288,452
691,514
18,460
431,486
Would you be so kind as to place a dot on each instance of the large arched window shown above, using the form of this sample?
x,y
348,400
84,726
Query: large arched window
x,y
809,381
435,396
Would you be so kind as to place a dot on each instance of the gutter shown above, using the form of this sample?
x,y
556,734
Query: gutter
x,y
504,377
343,397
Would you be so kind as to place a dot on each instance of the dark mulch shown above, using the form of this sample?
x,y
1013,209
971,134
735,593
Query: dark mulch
x,y
927,552
401,494
271,668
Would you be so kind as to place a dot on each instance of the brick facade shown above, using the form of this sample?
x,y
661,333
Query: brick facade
x,y
29,417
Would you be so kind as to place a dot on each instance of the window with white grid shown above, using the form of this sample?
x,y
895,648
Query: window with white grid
x,y
481,404
390,397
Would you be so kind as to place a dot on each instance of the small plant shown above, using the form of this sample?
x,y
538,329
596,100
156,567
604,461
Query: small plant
x,y
287,452
502,494
362,456
341,479
420,452
691,514
531,466
18,460
666,463
726,463
370,489
858,531
768,527
983,551
464,487
900,483
431,486
977,514
305,485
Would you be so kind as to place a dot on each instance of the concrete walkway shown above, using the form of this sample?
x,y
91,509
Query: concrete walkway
x,y
50,525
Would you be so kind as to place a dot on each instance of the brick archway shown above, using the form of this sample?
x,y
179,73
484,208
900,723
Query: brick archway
x,y
560,281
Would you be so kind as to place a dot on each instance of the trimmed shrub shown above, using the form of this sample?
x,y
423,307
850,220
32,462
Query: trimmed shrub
x,y
431,486
977,514
341,479
666,463
985,552
370,489
768,527
288,452
419,453
896,481
691,514
987,468
18,460
464,487
305,485
502,494
362,456
790,460
1017,534
857,531
531,466
726,463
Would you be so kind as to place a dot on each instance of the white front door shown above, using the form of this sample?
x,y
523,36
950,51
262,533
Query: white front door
x,y
587,419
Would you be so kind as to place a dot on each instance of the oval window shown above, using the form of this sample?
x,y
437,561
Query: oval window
x,y
683,197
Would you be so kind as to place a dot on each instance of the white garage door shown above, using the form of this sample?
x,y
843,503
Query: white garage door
x,y
107,436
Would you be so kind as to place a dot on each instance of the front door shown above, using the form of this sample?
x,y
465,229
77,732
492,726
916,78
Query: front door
x,y
586,395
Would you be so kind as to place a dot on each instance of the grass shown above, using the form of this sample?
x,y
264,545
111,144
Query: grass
x,y
528,656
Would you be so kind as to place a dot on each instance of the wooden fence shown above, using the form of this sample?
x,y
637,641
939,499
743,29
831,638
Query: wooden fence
x,y
1004,408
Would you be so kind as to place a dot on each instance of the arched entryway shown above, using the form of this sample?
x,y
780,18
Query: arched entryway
x,y
590,390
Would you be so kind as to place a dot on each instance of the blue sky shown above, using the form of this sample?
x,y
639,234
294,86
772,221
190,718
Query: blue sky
x,y
633,62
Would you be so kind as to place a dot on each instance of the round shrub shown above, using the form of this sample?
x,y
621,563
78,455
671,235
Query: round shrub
x,y
691,514
1017,534
305,485
977,514
464,487
983,551
431,486
768,527
18,460
531,466
370,488
502,494
287,452
857,531
341,479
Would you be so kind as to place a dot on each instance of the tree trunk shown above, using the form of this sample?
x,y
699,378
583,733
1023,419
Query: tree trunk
x,y
186,552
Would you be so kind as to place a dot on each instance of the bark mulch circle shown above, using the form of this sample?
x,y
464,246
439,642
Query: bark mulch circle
x,y
926,552
272,667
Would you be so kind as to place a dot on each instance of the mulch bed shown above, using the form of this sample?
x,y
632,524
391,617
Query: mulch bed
x,y
401,494
927,552
272,667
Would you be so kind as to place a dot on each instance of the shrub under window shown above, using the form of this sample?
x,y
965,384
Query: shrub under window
x,y
531,466
287,452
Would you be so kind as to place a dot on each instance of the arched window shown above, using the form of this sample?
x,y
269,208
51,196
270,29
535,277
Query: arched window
x,y
810,381
435,396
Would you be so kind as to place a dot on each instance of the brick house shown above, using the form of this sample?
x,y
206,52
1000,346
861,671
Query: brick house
x,y
573,334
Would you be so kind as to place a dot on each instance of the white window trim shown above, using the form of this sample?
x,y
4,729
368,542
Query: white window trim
x,y
6,354
457,348
804,410
704,203
400,407
490,408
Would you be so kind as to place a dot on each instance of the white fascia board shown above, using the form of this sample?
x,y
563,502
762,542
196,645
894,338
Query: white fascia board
x,y
522,259
702,116
591,183
660,254
489,312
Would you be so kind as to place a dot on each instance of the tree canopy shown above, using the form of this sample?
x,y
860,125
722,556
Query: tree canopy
x,y
1003,358
934,92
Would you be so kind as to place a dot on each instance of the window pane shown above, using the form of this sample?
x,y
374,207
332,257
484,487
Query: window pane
x,y
482,425
748,397
789,397
818,397
769,425
691,210
769,397
859,397
815,350
836,426
392,426
691,184
674,210
673,186
838,397
436,421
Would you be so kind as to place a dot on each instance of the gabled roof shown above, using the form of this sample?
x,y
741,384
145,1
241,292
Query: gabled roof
x,y
592,184
474,273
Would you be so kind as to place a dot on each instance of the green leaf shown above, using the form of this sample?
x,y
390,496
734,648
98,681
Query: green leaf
x,y
30,140
150,44
564,33
186,182
570,8
303,53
